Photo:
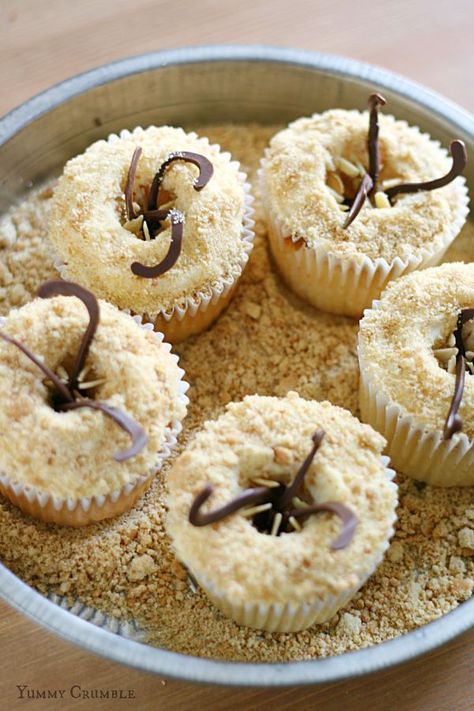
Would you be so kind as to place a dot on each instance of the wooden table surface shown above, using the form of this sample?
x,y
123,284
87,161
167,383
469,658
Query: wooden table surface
x,y
44,41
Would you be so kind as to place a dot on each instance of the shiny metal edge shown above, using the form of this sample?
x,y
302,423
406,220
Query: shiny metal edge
x,y
159,661
178,666
43,102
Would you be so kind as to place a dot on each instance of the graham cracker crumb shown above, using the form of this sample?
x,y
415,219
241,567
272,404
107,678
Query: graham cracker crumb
x,y
141,566
253,310
291,346
456,565
466,538
395,552
282,455
349,624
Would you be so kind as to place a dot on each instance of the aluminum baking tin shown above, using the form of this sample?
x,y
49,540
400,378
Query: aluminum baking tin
x,y
194,86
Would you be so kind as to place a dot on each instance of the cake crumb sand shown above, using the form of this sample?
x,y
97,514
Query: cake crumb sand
x,y
268,342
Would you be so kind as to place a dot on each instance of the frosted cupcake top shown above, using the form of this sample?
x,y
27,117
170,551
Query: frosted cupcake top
x,y
313,169
98,239
268,439
67,452
409,351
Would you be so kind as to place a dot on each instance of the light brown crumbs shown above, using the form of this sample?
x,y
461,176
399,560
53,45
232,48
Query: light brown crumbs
x,y
349,624
125,567
25,256
466,538
141,566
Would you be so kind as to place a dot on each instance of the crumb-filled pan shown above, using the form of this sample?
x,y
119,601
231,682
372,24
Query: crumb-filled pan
x,y
130,601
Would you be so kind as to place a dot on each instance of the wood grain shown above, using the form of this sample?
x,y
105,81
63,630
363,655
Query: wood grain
x,y
44,42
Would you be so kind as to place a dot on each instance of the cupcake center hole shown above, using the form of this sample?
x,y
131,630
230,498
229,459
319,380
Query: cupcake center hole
x,y
141,227
272,517
344,182
88,383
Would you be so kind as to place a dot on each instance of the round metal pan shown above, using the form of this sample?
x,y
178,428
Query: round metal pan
x,y
189,87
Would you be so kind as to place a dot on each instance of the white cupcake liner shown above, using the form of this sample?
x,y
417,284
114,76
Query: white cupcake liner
x,y
293,617
39,500
414,449
345,285
202,299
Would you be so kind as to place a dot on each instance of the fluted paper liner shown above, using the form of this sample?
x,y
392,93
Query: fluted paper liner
x,y
197,312
344,285
291,617
79,512
414,449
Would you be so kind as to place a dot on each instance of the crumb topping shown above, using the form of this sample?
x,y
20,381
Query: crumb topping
x,y
90,230
72,453
250,566
404,338
314,163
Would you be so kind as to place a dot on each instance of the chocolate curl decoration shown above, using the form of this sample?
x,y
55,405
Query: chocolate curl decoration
x,y
365,188
348,518
68,288
458,153
177,225
60,386
279,498
205,166
132,171
453,422
153,215
292,490
249,496
375,100
136,431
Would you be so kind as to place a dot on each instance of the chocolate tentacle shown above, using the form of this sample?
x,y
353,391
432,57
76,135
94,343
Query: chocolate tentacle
x,y
249,496
153,219
68,288
155,216
205,166
177,228
347,516
127,423
132,171
61,387
292,490
365,187
453,422
375,100
459,156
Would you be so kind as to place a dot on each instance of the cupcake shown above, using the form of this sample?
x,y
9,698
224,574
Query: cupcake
x,y
281,509
90,406
158,222
416,355
354,200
